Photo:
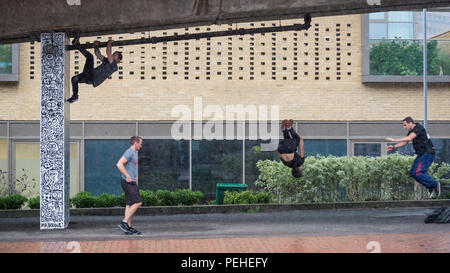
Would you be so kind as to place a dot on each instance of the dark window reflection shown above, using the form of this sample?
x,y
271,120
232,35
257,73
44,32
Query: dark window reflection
x,y
253,154
325,147
100,171
164,165
368,149
215,161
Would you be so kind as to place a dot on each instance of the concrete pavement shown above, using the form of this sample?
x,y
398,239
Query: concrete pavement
x,y
342,230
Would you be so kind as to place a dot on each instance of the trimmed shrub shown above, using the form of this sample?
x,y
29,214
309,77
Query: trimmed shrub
x,y
105,201
187,197
34,203
165,198
148,198
335,179
83,200
14,201
246,197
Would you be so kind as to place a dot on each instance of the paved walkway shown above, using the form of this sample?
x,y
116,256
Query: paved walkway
x,y
375,243
342,231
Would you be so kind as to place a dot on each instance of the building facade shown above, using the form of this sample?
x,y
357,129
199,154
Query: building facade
x,y
320,78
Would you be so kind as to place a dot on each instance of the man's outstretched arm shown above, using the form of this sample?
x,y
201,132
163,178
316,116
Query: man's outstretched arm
x,y
302,147
97,52
109,52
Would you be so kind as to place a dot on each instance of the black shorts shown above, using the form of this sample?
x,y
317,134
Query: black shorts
x,y
132,195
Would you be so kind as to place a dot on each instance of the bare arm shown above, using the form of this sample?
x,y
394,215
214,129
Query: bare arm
x,y
302,147
400,141
398,145
404,139
121,166
109,52
97,52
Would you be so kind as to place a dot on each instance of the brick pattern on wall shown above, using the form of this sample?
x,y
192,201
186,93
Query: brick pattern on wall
x,y
311,75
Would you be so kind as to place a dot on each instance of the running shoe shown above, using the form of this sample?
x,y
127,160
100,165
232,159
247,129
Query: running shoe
x,y
437,190
134,231
125,228
73,99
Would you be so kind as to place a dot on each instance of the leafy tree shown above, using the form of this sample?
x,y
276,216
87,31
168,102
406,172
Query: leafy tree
x,y
403,57
5,59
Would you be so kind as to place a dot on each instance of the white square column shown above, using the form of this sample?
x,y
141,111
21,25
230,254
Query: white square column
x,y
54,132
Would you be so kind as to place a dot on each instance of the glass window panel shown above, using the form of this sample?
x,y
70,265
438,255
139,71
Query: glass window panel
x,y
253,154
442,147
404,150
27,169
400,16
5,59
101,173
74,169
400,31
325,147
164,165
213,162
4,189
377,16
367,149
377,31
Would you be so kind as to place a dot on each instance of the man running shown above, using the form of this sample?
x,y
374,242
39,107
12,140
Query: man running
x,y
91,75
287,149
425,154
127,165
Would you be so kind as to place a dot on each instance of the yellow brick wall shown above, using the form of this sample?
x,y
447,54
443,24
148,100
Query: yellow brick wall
x,y
302,97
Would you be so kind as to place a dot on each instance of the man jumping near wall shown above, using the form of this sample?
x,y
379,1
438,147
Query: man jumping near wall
x,y
425,154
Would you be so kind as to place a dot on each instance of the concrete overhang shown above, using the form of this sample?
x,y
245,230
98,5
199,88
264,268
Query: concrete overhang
x,y
24,20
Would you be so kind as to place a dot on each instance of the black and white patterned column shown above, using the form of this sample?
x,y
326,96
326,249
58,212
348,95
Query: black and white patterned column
x,y
54,135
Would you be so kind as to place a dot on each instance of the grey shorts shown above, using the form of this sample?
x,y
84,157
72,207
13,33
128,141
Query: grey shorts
x,y
132,195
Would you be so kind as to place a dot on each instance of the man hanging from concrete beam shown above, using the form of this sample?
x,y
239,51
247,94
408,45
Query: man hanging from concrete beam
x,y
91,75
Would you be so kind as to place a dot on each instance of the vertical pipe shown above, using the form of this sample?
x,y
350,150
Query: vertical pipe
x,y
425,68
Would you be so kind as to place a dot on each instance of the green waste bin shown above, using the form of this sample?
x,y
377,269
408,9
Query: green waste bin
x,y
222,188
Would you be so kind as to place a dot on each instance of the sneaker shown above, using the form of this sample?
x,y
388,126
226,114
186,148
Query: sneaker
x,y
432,193
437,190
134,231
76,40
125,228
73,99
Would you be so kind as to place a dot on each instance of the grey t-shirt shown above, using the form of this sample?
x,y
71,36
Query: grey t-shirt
x,y
103,71
131,165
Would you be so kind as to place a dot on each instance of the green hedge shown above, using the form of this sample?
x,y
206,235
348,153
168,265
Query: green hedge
x,y
247,197
34,203
15,201
334,179
161,198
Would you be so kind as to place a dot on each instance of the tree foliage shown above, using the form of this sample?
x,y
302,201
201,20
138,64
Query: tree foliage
x,y
334,179
403,57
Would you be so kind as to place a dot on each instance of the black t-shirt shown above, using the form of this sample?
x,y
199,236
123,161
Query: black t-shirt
x,y
103,71
422,143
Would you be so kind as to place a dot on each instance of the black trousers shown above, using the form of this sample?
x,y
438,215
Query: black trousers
x,y
88,71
